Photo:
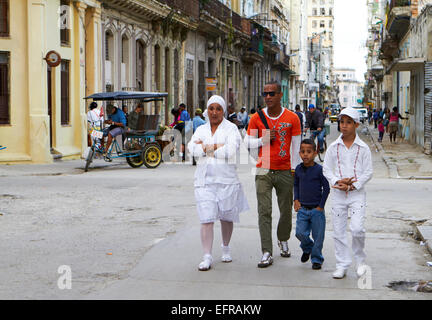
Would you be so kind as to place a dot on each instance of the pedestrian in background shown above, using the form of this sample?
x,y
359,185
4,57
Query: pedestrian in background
x,y
375,118
94,120
278,136
300,115
394,123
243,117
348,167
198,120
311,190
218,192
381,130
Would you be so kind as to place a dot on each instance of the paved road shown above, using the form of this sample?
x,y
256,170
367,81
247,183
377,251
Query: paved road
x,y
134,234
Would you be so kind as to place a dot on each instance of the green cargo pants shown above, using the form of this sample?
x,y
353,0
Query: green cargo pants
x,y
283,182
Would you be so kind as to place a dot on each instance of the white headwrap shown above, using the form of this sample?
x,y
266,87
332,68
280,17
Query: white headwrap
x,y
219,100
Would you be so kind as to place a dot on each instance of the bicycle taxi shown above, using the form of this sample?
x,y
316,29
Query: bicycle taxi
x,y
140,146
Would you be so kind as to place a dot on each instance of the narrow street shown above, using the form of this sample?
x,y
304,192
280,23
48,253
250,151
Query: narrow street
x,y
134,234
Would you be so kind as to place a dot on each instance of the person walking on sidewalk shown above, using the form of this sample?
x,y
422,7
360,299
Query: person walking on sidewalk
x,y
275,131
311,190
218,192
381,130
348,167
394,123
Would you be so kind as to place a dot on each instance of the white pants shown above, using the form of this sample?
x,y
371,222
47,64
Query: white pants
x,y
355,202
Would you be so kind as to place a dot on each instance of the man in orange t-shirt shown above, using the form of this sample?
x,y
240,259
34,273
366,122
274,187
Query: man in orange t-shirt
x,y
274,168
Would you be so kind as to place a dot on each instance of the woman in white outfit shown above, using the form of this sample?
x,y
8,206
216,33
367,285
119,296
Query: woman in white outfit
x,y
218,192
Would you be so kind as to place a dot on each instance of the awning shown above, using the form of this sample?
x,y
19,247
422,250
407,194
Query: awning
x,y
128,95
408,64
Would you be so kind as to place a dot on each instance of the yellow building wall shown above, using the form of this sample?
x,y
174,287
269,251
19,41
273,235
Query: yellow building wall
x,y
15,135
34,30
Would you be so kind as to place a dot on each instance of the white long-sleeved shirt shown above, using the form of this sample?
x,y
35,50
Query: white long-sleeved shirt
x,y
222,167
341,162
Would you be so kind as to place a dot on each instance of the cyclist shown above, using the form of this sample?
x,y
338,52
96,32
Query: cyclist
x,y
315,122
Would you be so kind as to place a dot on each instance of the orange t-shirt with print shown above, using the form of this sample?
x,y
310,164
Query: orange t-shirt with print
x,y
277,154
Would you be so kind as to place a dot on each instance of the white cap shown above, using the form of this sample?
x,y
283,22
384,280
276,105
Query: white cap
x,y
350,112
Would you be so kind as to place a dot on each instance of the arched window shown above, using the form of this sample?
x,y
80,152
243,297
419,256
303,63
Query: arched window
x,y
109,61
140,65
125,82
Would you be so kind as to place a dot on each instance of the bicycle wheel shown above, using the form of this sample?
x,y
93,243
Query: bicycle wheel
x,y
135,162
152,155
89,158
321,155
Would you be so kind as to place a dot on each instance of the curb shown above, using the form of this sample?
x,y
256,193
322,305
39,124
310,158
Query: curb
x,y
424,233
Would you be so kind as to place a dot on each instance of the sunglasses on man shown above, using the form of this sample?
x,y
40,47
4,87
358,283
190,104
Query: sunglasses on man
x,y
271,93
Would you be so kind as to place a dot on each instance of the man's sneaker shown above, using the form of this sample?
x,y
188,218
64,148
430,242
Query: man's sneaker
x,y
266,260
226,254
316,266
206,263
305,257
339,273
283,245
361,269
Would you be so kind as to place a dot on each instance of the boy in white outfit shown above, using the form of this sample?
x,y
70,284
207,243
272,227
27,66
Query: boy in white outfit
x,y
347,167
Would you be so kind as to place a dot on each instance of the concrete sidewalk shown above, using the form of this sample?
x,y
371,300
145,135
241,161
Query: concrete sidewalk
x,y
404,160
169,271
57,168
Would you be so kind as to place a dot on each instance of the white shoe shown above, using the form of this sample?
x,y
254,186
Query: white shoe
x,y
226,254
339,273
206,263
361,269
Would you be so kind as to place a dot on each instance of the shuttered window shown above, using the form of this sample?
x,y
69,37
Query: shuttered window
x,y
4,88
4,18
65,68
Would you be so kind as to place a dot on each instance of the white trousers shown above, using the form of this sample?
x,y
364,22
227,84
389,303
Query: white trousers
x,y
342,203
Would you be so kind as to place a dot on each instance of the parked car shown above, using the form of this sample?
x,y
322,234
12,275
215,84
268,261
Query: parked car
x,y
333,117
363,113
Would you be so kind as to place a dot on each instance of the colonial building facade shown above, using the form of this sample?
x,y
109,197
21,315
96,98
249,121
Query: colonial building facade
x,y
42,111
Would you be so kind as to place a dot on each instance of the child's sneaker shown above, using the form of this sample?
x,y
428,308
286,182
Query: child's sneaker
x,y
361,269
316,266
226,254
339,273
305,257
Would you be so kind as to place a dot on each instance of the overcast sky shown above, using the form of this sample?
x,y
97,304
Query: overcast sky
x,y
350,35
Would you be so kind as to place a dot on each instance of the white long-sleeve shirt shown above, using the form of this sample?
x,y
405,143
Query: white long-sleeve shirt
x,y
222,167
341,162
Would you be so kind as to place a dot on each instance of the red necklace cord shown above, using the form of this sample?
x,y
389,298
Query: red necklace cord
x,y
355,164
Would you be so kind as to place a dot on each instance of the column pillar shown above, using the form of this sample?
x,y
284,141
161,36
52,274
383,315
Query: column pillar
x,y
37,82
80,73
